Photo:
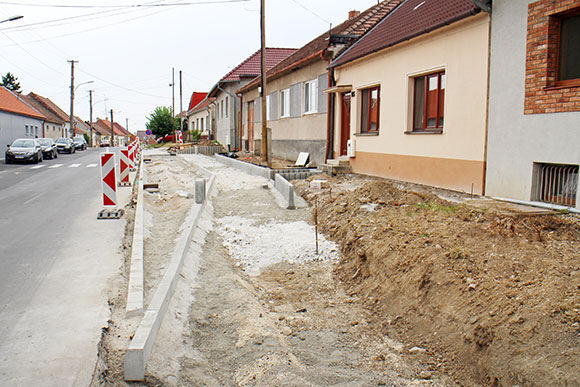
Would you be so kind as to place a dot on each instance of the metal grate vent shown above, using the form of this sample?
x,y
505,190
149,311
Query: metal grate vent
x,y
557,183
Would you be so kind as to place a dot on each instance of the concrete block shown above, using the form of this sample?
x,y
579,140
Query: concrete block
x,y
319,184
199,191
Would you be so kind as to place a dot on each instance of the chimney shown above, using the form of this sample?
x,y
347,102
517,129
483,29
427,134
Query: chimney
x,y
352,14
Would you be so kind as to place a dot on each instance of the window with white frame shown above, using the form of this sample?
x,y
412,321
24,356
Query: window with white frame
x,y
227,105
311,96
222,108
285,103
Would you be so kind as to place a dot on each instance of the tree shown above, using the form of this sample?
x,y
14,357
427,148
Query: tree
x,y
159,122
10,82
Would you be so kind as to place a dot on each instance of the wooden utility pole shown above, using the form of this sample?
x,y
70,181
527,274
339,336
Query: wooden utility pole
x,y
91,116
263,75
173,98
180,103
112,130
72,96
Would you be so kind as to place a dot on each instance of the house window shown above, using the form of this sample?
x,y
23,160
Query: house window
x,y
26,128
429,101
556,183
227,105
311,96
370,109
268,106
201,125
222,108
285,103
569,48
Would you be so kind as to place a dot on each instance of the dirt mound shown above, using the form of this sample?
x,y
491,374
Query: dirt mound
x,y
495,296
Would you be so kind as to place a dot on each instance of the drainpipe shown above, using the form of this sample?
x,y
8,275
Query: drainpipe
x,y
211,122
241,125
235,114
330,119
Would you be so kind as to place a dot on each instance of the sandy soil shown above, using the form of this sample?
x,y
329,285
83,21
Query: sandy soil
x,y
494,296
281,319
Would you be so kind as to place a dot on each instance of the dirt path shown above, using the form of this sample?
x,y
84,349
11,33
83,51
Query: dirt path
x,y
256,306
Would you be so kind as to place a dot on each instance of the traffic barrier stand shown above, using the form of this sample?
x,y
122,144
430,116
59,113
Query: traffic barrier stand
x,y
132,157
124,169
109,178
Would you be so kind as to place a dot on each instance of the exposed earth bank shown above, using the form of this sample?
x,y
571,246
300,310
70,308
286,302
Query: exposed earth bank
x,y
496,297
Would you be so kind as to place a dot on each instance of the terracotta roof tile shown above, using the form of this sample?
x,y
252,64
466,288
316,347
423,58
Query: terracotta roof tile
x,y
14,103
196,98
51,106
251,66
42,109
202,105
409,20
312,50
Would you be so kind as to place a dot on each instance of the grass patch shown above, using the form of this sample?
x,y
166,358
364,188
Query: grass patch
x,y
434,206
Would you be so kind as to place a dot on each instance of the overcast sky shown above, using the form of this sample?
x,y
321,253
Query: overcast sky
x,y
129,52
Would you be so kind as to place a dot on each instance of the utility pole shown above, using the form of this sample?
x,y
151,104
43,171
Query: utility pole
x,y
127,124
173,98
91,116
263,75
72,96
180,103
112,131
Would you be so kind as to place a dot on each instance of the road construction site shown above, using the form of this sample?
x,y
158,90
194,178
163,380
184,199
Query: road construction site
x,y
365,282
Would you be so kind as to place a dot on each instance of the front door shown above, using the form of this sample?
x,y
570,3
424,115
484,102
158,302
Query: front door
x,y
251,126
344,122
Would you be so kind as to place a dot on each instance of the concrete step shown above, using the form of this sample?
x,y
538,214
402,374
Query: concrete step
x,y
338,162
334,169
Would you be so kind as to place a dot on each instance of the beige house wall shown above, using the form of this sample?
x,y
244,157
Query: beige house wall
x,y
462,51
292,134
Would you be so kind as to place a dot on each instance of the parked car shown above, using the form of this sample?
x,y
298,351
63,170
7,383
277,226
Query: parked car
x,y
105,143
24,149
65,145
48,148
80,143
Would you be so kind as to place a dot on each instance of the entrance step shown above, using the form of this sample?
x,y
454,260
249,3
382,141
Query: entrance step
x,y
335,166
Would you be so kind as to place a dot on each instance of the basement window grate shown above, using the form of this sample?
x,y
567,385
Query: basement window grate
x,y
556,183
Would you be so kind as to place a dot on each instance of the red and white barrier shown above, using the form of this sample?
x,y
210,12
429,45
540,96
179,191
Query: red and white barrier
x,y
179,136
109,179
132,151
124,168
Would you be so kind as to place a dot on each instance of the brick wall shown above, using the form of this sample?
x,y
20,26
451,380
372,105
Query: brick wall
x,y
543,94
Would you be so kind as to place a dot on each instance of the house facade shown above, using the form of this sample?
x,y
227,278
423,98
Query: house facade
x,y
296,103
17,119
534,103
58,121
411,96
226,119
199,117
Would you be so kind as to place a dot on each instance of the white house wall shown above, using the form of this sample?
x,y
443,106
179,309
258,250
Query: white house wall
x,y
516,141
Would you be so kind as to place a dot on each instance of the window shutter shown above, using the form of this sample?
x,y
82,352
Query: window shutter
x,y
322,96
273,106
295,100
257,110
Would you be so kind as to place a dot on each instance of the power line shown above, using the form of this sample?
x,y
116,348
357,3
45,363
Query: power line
x,y
311,11
146,5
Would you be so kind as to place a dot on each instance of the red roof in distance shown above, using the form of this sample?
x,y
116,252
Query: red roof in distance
x,y
252,65
12,103
196,98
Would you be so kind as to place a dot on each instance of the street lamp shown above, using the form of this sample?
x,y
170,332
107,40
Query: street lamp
x,y
12,19
72,99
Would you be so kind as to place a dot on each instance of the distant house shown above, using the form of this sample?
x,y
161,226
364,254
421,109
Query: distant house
x,y
199,117
54,126
227,104
411,96
81,127
296,104
103,127
534,101
17,119
59,119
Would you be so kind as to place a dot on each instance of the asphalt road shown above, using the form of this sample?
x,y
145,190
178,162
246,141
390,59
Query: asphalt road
x,y
55,260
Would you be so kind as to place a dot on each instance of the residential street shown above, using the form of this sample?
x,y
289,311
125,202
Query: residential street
x,y
56,261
